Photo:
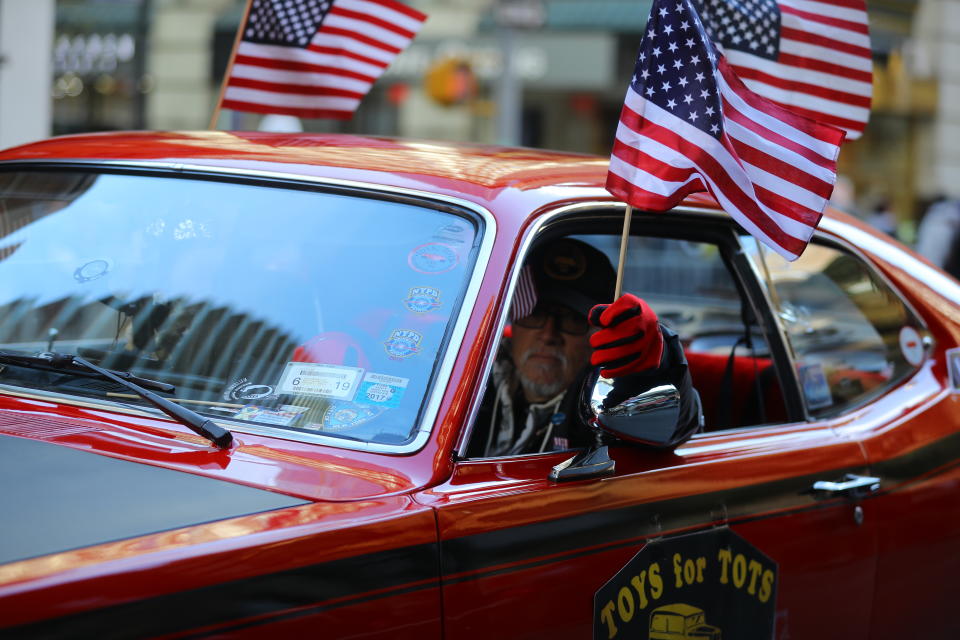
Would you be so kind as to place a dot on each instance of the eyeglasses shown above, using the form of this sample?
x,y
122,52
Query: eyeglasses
x,y
567,320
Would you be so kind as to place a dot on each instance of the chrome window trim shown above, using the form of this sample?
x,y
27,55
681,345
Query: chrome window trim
x,y
431,407
532,231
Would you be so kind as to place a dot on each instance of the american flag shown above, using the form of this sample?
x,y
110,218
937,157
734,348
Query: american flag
x,y
812,57
689,124
315,58
525,297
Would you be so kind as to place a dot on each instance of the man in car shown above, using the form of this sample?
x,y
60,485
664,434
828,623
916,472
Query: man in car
x,y
561,325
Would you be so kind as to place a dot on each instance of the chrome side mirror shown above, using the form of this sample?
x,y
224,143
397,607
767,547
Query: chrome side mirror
x,y
648,418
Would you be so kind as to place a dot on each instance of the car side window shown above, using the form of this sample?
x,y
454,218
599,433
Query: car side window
x,y
851,335
691,288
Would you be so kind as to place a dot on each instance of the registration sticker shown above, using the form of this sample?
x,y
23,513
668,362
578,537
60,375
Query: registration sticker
x,y
283,416
382,390
314,379
815,387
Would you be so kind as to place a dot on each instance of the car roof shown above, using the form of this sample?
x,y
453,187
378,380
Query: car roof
x,y
481,173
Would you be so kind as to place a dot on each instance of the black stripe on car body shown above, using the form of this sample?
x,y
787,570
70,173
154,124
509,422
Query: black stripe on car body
x,y
310,590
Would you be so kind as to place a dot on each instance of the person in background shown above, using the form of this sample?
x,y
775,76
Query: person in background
x,y
883,218
562,324
938,235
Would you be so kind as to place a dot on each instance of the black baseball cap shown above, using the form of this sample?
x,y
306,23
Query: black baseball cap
x,y
572,273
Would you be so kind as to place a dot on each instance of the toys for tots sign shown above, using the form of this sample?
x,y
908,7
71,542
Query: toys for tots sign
x,y
707,585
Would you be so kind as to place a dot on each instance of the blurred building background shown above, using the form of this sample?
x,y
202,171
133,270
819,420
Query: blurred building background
x,y
541,73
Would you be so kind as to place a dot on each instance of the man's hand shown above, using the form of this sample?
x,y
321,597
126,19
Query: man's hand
x,y
629,339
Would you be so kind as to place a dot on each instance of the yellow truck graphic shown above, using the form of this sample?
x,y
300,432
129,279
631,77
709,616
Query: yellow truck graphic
x,y
681,622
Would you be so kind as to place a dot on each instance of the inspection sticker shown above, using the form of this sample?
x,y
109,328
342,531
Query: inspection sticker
x,y
313,379
382,390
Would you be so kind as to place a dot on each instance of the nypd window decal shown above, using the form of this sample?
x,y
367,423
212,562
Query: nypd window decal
x,y
707,585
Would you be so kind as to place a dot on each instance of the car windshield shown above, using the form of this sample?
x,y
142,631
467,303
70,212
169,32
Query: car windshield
x,y
308,311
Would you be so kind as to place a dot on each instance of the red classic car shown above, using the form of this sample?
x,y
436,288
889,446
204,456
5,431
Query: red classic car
x,y
240,374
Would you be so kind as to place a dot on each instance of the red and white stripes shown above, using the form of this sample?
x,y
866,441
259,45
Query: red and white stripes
x,y
772,170
824,68
356,42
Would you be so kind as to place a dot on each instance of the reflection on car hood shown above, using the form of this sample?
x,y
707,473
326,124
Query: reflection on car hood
x,y
55,498
262,463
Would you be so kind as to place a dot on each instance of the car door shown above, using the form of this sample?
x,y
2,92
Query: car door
x,y
886,386
527,557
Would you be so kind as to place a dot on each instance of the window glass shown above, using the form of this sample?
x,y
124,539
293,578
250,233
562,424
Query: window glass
x,y
690,287
312,312
851,335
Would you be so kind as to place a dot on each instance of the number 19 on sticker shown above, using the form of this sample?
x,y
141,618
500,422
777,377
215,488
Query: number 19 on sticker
x,y
327,380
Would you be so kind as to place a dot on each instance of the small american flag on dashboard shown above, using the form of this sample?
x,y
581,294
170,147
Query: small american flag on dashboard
x,y
315,58
690,124
811,56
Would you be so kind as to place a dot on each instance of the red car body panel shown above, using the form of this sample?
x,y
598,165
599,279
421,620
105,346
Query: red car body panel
x,y
425,545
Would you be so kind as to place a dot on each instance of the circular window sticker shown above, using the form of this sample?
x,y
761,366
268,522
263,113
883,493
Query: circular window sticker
x,y
91,270
433,257
911,345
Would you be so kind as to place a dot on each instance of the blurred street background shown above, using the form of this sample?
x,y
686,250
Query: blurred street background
x,y
539,73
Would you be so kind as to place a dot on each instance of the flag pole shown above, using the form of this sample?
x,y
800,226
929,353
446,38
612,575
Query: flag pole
x,y
229,69
623,251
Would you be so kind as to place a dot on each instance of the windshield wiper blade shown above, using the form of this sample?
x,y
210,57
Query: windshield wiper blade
x,y
194,421
59,362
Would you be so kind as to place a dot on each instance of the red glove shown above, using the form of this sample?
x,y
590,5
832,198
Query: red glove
x,y
629,339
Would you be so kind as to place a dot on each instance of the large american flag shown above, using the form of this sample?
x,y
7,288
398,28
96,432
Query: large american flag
x,y
315,58
812,57
689,124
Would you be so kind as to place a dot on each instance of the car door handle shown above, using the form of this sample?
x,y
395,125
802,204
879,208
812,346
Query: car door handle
x,y
852,486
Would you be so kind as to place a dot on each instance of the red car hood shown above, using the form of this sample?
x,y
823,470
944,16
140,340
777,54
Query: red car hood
x,y
300,470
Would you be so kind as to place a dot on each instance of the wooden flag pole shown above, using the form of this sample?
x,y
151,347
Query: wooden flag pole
x,y
229,69
623,251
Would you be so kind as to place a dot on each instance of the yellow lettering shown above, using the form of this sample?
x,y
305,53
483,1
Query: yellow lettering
x,y
637,582
689,571
701,565
656,582
739,570
677,571
755,569
766,586
724,557
625,604
606,615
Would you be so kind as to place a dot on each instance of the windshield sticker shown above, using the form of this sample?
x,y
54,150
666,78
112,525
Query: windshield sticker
x,y
382,390
422,299
284,416
704,585
243,389
953,368
815,387
327,380
911,345
456,232
343,416
92,270
402,343
433,257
